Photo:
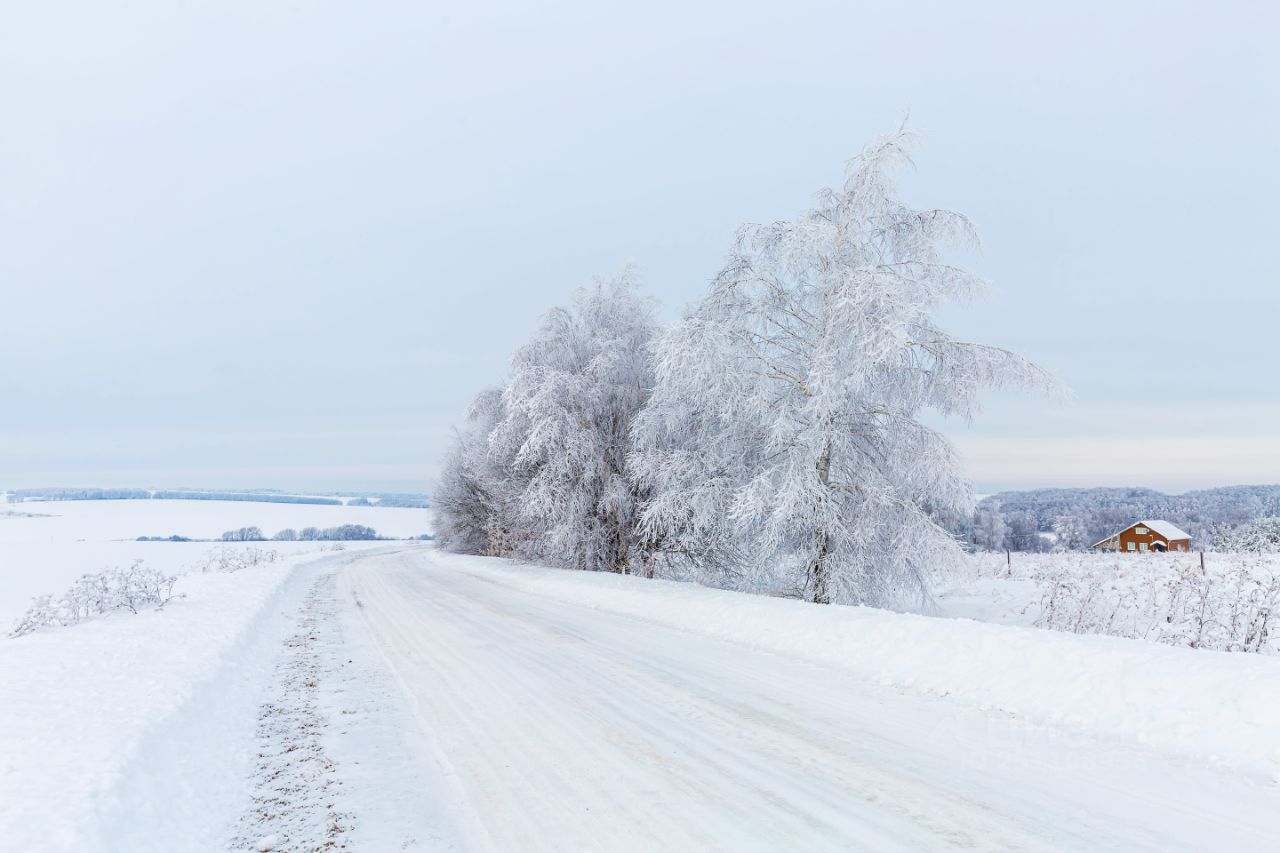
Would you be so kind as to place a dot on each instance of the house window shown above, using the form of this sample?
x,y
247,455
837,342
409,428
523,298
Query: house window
x,y
1143,546
1140,530
1133,546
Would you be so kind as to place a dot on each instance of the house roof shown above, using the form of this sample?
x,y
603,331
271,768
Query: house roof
x,y
1164,528
1167,530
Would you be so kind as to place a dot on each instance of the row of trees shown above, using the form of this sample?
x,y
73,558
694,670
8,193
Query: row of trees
x,y
341,533
771,439
1261,536
1224,505
1074,519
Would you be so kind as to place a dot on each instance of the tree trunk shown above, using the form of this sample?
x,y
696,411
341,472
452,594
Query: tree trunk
x,y
819,580
819,572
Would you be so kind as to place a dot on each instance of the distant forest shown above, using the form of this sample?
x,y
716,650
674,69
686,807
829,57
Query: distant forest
x,y
1074,519
397,499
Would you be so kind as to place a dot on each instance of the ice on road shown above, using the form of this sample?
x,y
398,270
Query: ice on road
x,y
553,726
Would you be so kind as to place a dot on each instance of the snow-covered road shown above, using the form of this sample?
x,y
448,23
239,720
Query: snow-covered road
x,y
547,725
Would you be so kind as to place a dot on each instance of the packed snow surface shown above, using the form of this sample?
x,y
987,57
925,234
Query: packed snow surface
x,y
581,711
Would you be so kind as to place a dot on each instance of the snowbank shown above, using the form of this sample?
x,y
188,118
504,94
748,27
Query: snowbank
x,y
1213,706
103,721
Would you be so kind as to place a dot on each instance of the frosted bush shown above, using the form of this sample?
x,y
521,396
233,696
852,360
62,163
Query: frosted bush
x,y
228,559
135,588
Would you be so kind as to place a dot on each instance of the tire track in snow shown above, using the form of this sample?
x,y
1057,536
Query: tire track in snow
x,y
295,801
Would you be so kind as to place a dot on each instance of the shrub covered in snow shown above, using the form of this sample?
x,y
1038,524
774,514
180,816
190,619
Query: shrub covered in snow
x,y
226,559
133,589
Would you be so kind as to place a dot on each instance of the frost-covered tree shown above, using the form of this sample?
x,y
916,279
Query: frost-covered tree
x,y
1070,533
989,528
1022,533
475,498
783,444
1260,537
539,470
575,389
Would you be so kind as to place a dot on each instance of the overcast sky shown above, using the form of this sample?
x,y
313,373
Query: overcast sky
x,y
263,243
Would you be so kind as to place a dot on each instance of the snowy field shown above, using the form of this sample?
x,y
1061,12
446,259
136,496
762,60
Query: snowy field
x,y
44,546
61,521
1230,603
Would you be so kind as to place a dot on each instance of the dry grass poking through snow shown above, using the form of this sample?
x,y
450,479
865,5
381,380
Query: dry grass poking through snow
x,y
294,803
1230,603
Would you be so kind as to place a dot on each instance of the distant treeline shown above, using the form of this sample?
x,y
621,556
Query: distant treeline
x,y
1074,519
79,494
402,501
341,533
411,501
245,496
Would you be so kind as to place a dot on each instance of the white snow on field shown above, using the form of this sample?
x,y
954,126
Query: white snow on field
x,y
1005,601
46,545
106,520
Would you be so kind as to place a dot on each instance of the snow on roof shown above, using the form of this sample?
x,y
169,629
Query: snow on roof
x,y
1167,530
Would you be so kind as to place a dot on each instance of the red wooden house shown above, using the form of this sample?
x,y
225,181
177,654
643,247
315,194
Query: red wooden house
x,y
1147,536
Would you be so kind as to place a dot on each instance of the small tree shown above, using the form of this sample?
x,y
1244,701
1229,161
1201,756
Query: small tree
x,y
989,528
